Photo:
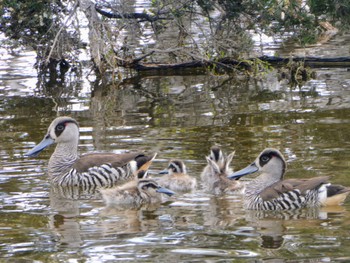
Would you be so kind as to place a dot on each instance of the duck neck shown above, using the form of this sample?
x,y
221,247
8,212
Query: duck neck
x,y
63,158
263,181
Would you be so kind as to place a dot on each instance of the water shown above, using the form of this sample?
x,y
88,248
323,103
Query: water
x,y
179,116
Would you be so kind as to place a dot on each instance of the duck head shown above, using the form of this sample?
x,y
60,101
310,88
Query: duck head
x,y
61,130
175,167
270,162
148,185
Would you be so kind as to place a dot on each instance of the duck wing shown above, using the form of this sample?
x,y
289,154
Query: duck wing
x,y
302,185
115,160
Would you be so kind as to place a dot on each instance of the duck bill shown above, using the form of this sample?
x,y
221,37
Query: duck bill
x,y
165,171
245,171
46,142
165,191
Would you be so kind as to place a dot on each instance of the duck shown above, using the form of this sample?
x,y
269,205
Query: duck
x,y
135,193
91,170
214,175
175,177
218,157
270,191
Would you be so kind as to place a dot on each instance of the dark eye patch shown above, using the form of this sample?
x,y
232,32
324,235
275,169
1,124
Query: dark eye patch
x,y
62,125
172,167
149,185
59,128
265,158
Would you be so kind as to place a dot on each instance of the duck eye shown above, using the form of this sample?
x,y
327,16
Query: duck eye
x,y
265,158
60,127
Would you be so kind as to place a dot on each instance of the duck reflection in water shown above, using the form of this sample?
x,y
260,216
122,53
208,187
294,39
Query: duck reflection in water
x,y
272,226
66,205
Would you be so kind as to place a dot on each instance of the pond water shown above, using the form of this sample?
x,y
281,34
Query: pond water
x,y
178,116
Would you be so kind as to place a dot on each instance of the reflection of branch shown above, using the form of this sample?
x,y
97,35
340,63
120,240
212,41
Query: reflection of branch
x,y
136,60
131,62
223,84
60,30
136,82
143,16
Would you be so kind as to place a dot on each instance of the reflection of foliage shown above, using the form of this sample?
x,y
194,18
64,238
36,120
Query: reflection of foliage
x,y
266,95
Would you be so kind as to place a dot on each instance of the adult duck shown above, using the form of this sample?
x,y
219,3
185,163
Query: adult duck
x,y
270,191
67,168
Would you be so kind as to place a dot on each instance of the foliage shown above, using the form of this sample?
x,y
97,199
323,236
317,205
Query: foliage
x,y
28,21
164,31
36,24
336,11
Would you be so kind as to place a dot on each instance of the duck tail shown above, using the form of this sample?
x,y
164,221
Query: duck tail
x,y
336,195
143,162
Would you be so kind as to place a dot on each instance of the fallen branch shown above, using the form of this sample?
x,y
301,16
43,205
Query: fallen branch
x,y
224,64
233,63
159,66
310,61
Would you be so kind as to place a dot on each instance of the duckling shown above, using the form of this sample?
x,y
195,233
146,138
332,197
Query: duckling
x,y
270,191
67,168
218,157
135,193
217,182
176,177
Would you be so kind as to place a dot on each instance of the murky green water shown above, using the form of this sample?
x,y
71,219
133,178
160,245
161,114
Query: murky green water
x,y
178,117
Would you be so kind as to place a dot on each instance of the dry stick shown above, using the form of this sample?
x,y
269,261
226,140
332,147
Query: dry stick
x,y
60,30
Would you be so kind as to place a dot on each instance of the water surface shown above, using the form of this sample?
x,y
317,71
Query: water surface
x,y
179,116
